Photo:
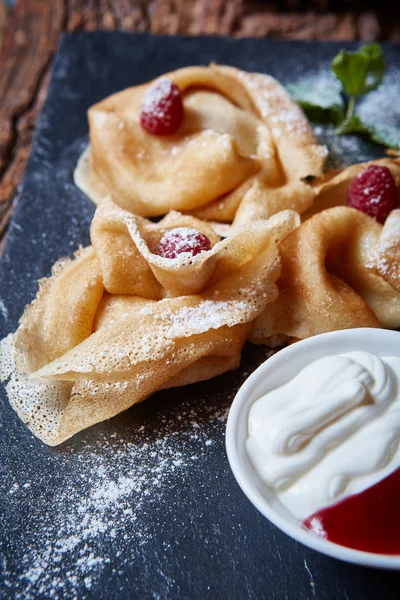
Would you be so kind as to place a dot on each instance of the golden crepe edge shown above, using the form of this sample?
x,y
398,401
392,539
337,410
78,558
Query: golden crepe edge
x,y
82,389
123,156
316,297
61,380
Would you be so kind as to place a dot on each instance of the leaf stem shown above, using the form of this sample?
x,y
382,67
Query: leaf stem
x,y
350,108
349,113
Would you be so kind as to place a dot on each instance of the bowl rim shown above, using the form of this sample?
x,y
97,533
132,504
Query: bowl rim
x,y
238,412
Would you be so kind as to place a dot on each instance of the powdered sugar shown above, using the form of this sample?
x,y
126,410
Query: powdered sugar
x,y
193,320
380,107
99,506
162,109
109,492
319,80
274,107
344,150
162,88
182,241
291,119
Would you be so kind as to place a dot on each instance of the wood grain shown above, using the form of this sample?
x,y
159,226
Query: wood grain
x,y
3,19
34,27
29,42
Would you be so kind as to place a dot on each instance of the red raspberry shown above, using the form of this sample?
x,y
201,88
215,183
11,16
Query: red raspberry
x,y
373,192
162,108
182,240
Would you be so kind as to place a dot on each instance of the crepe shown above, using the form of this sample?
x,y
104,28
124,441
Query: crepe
x,y
331,188
243,142
385,256
109,328
340,270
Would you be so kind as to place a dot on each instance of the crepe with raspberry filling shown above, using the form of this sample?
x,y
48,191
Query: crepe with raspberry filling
x,y
332,188
119,322
242,140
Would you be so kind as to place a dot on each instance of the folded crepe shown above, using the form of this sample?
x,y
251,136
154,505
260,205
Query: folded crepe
x,y
331,188
244,147
119,322
340,270
385,256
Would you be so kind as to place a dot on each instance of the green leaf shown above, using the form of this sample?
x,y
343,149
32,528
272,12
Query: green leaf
x,y
321,105
352,125
381,134
360,71
387,136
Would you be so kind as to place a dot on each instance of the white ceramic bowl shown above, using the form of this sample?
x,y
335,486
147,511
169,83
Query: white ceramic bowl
x,y
276,371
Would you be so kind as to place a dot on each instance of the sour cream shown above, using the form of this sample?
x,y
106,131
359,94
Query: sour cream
x,y
330,432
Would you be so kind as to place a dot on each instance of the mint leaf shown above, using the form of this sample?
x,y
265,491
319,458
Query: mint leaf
x,y
387,136
381,134
352,124
360,71
321,105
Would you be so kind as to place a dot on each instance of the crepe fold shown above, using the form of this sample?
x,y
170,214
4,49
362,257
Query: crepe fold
x,y
244,149
340,268
385,256
331,276
331,188
108,329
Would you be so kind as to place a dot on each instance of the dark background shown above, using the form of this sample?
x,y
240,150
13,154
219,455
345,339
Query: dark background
x,y
30,31
199,536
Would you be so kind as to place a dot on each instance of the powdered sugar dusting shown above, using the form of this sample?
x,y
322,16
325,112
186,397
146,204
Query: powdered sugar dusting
x,y
345,149
182,241
319,80
3,309
285,118
162,109
99,505
162,88
380,107
124,483
206,315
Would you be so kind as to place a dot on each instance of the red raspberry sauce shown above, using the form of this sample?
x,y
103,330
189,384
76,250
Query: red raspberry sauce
x,y
369,521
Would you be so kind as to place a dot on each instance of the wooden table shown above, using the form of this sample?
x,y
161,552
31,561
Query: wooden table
x,y
31,35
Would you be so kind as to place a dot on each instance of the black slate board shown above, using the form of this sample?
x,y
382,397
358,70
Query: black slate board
x,y
143,506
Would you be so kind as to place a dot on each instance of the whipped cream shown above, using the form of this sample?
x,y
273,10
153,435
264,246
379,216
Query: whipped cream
x,y
330,432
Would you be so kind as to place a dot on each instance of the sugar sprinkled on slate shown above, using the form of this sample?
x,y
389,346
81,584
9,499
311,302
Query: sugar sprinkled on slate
x,y
382,105
378,107
124,482
194,534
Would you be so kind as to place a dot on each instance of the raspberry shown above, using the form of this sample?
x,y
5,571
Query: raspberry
x,y
182,240
162,108
373,192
